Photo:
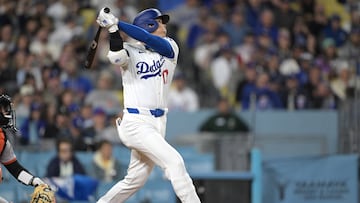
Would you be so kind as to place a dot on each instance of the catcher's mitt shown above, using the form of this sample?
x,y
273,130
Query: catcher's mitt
x,y
43,194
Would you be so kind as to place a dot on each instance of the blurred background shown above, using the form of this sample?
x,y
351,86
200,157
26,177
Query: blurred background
x,y
264,106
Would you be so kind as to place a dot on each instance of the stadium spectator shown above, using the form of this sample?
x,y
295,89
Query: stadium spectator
x,y
181,96
224,120
334,31
266,25
93,133
284,15
344,83
315,20
103,95
248,81
292,95
65,163
252,12
76,136
33,127
350,51
105,165
224,70
110,132
23,105
260,95
236,28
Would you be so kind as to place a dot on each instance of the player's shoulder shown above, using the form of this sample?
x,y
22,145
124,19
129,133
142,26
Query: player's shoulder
x,y
132,45
171,40
173,44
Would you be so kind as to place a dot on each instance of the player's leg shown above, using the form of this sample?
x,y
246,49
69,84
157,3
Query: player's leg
x,y
164,155
139,170
152,144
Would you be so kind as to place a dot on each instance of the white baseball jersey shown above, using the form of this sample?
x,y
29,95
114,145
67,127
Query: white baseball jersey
x,y
148,76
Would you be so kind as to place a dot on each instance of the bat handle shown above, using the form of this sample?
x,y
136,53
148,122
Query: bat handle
x,y
107,10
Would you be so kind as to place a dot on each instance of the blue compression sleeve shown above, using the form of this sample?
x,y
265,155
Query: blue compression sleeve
x,y
156,43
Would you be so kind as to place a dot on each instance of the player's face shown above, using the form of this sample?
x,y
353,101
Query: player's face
x,y
161,30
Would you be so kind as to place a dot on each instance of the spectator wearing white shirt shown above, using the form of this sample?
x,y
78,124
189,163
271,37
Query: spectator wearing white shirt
x,y
181,96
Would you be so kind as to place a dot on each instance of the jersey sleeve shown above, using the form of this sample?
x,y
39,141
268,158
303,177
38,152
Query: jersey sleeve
x,y
7,156
159,44
174,47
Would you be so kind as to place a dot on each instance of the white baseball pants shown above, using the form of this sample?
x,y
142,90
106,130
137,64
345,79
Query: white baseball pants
x,y
144,135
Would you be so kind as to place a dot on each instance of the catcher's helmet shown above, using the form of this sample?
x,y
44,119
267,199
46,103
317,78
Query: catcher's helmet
x,y
146,19
6,111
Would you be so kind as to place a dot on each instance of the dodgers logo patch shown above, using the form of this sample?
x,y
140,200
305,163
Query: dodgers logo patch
x,y
153,69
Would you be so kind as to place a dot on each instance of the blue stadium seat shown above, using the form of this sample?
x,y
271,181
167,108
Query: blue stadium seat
x,y
187,151
8,192
159,191
24,193
36,162
104,187
122,154
86,159
200,163
156,174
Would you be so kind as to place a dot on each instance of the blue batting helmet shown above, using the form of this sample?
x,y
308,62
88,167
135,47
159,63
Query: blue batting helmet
x,y
146,19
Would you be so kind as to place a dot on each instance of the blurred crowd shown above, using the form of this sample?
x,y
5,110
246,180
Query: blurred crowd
x,y
263,54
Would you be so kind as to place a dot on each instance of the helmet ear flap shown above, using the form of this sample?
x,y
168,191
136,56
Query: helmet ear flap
x,y
149,25
6,107
147,19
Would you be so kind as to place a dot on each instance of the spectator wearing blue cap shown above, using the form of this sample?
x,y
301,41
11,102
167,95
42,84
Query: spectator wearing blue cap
x,y
261,96
33,128
248,81
76,128
266,25
334,31
93,134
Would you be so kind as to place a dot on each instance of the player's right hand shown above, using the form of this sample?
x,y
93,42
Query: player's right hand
x,y
107,20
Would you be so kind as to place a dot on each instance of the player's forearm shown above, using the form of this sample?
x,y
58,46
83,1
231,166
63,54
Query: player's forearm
x,y
156,43
20,173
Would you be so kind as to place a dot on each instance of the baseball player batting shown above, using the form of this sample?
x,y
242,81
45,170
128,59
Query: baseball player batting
x,y
147,70
7,155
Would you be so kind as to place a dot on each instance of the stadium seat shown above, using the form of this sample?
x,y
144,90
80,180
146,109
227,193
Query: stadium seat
x,y
159,191
156,174
24,193
36,162
200,163
8,192
122,154
103,188
187,151
86,159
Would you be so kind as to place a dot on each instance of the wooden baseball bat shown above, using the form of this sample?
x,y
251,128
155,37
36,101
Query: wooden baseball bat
x,y
94,44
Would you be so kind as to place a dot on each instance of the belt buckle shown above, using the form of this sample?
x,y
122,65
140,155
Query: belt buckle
x,y
157,112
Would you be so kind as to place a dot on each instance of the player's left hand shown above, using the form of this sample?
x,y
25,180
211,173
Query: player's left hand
x,y
43,194
107,20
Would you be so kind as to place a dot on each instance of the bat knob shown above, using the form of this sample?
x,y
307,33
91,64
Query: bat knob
x,y
107,10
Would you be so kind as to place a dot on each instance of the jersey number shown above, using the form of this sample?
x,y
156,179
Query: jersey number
x,y
165,74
